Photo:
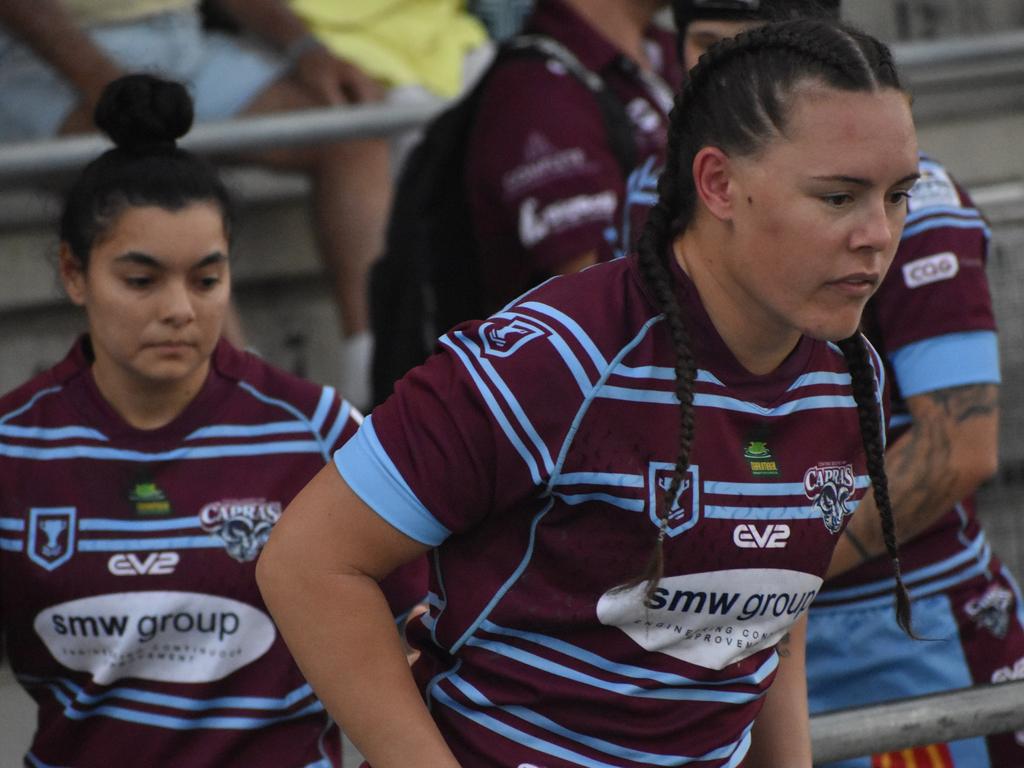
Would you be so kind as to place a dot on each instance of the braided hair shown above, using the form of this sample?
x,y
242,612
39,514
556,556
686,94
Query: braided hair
x,y
738,98
144,116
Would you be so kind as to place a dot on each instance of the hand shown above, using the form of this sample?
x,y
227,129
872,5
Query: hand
x,y
332,80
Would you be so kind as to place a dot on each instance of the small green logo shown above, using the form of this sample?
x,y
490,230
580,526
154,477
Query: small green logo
x,y
149,499
760,459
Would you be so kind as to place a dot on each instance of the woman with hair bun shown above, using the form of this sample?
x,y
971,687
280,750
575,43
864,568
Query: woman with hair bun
x,y
142,475
631,479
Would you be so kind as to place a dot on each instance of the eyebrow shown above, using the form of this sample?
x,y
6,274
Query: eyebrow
x,y
863,182
144,259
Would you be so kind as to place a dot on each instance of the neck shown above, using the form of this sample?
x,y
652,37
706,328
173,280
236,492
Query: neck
x,y
143,403
759,344
621,22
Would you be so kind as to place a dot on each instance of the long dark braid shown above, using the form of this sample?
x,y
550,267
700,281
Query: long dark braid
x,y
736,98
862,375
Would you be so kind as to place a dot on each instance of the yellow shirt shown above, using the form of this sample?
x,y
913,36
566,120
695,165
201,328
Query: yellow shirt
x,y
88,12
401,42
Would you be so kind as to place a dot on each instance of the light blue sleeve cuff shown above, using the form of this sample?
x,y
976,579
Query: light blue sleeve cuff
x,y
369,472
952,360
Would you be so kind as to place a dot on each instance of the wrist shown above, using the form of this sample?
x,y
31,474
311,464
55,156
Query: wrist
x,y
300,46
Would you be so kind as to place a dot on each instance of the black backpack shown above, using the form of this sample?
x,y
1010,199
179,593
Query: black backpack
x,y
428,278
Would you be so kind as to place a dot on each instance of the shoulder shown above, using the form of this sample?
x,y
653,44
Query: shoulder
x,y
525,81
936,188
270,385
31,400
603,306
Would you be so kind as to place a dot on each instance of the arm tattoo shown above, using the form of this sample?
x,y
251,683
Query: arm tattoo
x,y
921,473
964,403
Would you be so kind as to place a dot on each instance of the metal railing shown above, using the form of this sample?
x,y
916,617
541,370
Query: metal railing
x,y
918,722
949,77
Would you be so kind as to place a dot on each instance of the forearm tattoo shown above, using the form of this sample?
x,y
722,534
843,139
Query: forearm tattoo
x,y
921,473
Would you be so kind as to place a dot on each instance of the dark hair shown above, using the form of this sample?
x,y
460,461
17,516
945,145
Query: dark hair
x,y
738,98
144,116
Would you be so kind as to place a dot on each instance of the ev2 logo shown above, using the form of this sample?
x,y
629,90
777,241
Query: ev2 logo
x,y
748,536
153,564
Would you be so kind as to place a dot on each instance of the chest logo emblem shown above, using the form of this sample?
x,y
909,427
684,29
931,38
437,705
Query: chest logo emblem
x,y
685,511
759,457
51,536
830,487
242,524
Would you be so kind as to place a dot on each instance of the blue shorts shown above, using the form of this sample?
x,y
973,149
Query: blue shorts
x,y
858,656
224,73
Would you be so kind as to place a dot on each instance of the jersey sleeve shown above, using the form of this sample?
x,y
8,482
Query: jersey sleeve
x,y
540,168
475,431
934,306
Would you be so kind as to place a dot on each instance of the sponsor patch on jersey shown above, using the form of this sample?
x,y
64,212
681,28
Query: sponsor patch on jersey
x,y
759,458
931,269
754,536
51,535
502,337
171,637
934,188
1006,674
830,486
139,564
556,165
148,497
712,619
685,510
991,611
536,224
932,756
643,115
243,525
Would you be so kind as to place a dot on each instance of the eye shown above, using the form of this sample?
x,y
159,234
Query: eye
x,y
899,197
209,281
138,281
837,200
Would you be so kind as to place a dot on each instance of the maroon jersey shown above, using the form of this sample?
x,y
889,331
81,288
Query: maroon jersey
x,y
127,593
531,452
932,320
545,186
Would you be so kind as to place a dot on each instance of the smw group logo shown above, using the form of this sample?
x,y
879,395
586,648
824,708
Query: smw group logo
x,y
172,637
51,536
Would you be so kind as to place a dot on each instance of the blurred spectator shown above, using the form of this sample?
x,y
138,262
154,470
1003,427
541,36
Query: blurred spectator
x,y
547,193
57,55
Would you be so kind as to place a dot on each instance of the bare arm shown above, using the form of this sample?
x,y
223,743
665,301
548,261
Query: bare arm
x,y
782,731
318,575
48,28
950,449
330,79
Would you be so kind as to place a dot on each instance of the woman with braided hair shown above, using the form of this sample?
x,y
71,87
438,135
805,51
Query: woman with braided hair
x,y
631,478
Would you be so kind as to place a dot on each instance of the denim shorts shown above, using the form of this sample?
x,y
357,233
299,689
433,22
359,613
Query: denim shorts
x,y
223,72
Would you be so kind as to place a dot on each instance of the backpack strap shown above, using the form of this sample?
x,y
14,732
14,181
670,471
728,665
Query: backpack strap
x,y
617,124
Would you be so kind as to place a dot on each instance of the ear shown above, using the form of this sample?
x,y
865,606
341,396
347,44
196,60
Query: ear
x,y
713,180
72,275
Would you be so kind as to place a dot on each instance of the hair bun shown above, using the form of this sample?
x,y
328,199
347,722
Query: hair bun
x,y
144,112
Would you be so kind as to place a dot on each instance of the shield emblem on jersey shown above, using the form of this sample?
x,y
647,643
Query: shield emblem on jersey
x,y
502,338
51,536
685,512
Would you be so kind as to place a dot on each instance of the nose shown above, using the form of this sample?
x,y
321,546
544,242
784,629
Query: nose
x,y
878,228
176,304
